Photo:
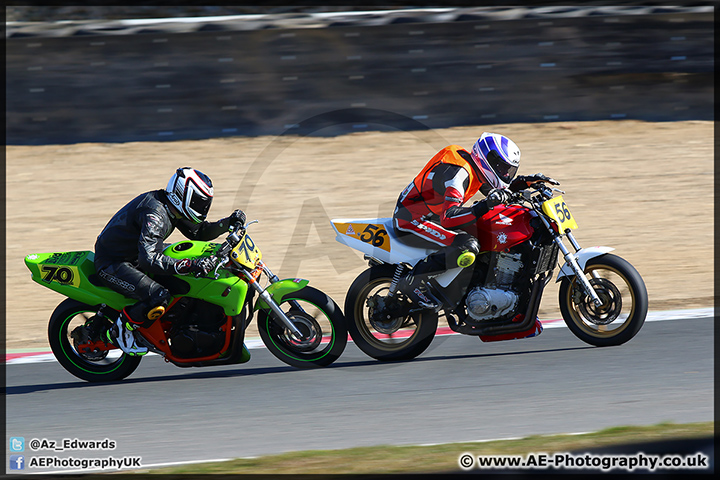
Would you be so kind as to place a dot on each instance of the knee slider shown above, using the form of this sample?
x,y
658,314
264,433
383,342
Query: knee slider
x,y
469,251
465,259
158,304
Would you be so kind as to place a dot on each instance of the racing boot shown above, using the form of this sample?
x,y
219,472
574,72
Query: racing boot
x,y
415,288
414,284
122,335
461,253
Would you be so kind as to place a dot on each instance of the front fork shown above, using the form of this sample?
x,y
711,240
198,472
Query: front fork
x,y
571,260
267,298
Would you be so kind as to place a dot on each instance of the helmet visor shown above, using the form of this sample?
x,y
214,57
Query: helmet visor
x,y
200,205
502,169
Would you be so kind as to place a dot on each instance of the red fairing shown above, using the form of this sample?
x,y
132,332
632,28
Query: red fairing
x,y
503,227
533,331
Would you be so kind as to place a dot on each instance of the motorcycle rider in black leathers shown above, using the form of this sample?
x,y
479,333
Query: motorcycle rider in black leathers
x,y
132,244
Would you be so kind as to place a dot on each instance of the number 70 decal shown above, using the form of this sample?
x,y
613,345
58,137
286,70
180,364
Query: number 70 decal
x,y
64,275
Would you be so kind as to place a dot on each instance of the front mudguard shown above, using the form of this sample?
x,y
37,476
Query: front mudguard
x,y
582,256
280,289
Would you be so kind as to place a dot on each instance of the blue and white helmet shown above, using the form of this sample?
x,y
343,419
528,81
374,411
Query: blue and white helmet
x,y
190,192
497,157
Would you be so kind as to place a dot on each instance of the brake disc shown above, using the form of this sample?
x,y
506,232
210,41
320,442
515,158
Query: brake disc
x,y
308,326
81,337
610,308
385,316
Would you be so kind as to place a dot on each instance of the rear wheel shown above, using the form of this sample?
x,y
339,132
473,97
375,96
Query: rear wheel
x,y
401,337
624,302
321,323
75,335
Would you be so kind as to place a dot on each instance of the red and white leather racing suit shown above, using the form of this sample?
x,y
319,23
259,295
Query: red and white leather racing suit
x,y
430,208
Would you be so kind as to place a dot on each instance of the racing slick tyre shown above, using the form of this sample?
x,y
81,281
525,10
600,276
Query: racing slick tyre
x,y
76,334
624,302
373,327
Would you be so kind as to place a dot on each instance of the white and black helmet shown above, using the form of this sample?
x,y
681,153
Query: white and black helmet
x,y
190,192
497,157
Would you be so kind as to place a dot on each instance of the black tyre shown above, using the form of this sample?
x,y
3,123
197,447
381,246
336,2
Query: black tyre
x,y
625,302
401,338
319,319
82,355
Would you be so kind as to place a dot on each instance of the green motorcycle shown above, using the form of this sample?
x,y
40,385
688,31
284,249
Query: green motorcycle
x,y
204,324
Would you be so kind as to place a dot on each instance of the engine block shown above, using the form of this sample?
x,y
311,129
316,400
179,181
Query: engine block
x,y
490,303
496,298
505,268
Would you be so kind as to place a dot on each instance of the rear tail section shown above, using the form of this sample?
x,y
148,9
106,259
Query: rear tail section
x,y
376,237
73,274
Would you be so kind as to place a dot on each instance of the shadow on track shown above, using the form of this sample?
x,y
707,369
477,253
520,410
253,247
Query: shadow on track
x,y
243,372
485,355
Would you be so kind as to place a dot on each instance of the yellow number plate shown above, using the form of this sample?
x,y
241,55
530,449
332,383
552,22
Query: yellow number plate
x,y
369,233
557,209
246,253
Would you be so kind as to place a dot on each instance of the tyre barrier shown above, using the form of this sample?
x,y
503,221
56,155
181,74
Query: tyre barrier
x,y
248,75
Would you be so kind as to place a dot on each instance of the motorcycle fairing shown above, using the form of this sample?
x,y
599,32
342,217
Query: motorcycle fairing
x,y
376,237
499,229
533,331
228,290
70,273
582,256
279,290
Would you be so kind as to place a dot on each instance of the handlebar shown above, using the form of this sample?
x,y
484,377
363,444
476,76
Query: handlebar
x,y
528,194
233,239
221,257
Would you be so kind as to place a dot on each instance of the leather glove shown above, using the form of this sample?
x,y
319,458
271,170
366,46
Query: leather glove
x,y
238,216
496,197
201,265
522,182
480,208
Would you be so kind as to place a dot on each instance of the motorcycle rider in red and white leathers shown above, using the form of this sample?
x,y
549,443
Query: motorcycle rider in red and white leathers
x,y
131,246
431,207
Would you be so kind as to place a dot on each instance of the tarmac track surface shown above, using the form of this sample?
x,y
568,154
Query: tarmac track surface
x,y
459,390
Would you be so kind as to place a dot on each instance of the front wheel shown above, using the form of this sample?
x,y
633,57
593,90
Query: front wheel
x,y
75,335
318,318
376,323
624,302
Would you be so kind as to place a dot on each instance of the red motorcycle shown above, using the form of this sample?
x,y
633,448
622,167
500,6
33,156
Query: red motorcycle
x,y
603,299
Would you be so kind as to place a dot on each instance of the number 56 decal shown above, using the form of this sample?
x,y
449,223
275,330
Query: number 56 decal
x,y
558,210
375,235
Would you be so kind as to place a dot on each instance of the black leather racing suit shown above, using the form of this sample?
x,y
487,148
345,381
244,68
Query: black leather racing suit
x,y
132,243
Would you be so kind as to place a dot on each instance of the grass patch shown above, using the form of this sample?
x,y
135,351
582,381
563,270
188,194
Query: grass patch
x,y
436,458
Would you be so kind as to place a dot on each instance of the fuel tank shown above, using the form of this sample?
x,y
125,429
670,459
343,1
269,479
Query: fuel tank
x,y
502,227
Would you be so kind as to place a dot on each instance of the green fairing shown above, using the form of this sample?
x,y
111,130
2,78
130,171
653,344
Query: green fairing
x,y
280,289
79,288
68,273
245,357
